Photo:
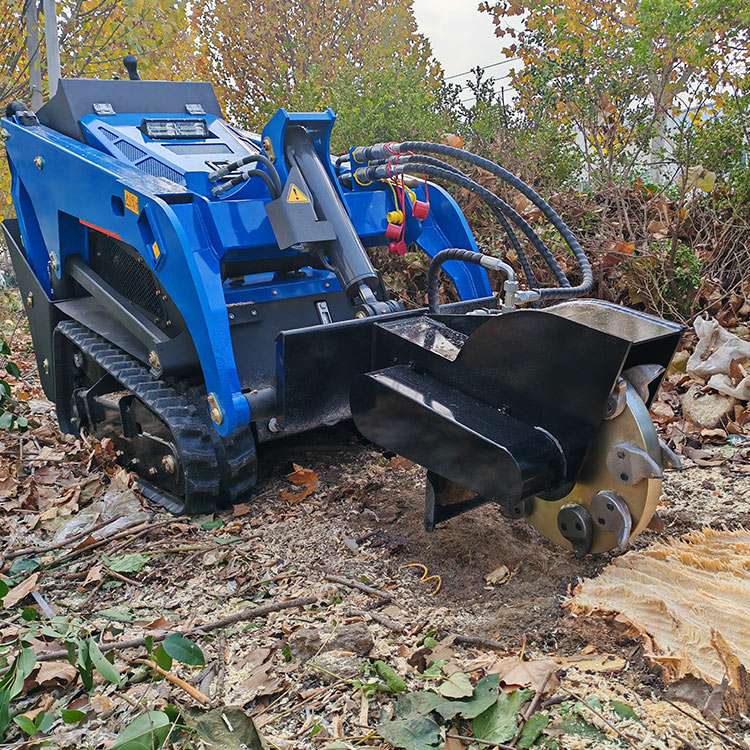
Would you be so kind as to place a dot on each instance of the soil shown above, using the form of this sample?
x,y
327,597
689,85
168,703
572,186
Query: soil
x,y
363,521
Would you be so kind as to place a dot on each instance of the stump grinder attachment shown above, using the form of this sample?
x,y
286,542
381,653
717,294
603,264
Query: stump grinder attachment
x,y
193,290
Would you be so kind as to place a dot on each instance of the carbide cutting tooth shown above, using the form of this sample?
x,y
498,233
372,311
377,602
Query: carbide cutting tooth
x,y
669,459
611,513
576,526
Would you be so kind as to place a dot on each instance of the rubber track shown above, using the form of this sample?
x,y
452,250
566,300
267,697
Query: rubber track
x,y
216,471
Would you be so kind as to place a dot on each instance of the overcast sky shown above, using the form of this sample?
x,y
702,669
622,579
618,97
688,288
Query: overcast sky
x,y
461,36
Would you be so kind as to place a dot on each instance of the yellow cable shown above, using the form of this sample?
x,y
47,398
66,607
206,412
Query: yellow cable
x,y
439,580
417,565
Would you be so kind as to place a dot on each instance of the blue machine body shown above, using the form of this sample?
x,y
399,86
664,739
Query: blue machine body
x,y
194,290
155,196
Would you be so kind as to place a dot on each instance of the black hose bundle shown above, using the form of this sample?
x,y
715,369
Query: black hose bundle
x,y
433,274
583,262
386,160
273,183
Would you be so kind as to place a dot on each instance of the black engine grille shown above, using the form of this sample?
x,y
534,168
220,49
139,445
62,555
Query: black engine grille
x,y
117,264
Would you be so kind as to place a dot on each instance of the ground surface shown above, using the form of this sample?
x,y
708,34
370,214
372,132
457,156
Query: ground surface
x,y
362,521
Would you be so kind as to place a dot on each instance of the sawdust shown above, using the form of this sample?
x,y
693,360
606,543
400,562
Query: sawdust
x,y
677,594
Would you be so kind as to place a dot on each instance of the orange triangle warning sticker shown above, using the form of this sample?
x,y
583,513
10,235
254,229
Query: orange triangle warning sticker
x,y
295,195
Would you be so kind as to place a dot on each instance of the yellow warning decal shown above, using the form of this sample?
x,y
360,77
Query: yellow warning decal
x,y
157,252
295,195
131,202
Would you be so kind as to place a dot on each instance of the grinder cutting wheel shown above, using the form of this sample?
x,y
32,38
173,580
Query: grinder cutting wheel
x,y
203,290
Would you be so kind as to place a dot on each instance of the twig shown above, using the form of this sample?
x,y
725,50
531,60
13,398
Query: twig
x,y
630,740
464,738
130,538
119,576
86,603
133,530
357,585
271,719
186,686
48,548
382,619
531,710
686,743
129,529
221,676
726,738
475,640
249,613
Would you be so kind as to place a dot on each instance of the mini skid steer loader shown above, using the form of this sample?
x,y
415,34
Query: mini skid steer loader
x,y
194,290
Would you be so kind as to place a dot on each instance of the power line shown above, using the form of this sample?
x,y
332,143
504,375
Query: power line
x,y
485,67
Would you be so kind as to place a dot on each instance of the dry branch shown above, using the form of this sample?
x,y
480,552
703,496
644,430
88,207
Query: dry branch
x,y
249,613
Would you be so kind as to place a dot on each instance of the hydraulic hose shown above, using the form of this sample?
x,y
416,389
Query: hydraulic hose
x,y
381,172
249,159
244,177
363,154
524,189
527,270
467,256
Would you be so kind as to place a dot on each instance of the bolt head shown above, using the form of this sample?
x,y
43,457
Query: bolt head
x,y
78,360
273,425
30,300
39,162
4,134
45,366
152,471
169,464
153,360
216,413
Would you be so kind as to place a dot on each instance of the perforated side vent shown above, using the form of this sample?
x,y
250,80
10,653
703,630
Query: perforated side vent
x,y
116,263
156,168
109,134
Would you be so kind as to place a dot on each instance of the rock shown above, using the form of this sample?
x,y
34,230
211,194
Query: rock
x,y
706,409
336,664
355,638
305,643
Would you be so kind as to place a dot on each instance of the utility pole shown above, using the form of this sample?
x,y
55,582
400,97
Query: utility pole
x,y
52,44
32,42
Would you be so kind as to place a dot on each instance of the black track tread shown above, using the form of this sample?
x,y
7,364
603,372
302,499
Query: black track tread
x,y
217,471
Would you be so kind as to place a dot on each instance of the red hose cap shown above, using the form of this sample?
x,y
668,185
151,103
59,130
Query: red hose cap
x,y
397,248
421,210
393,231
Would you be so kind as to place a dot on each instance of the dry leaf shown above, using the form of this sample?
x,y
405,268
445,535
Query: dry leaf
x,y
307,479
55,672
100,703
499,575
17,593
303,477
451,139
260,683
158,624
241,509
286,496
94,576
526,674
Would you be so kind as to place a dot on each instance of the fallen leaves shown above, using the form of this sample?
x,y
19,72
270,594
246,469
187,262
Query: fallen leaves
x,y
497,576
305,479
19,592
